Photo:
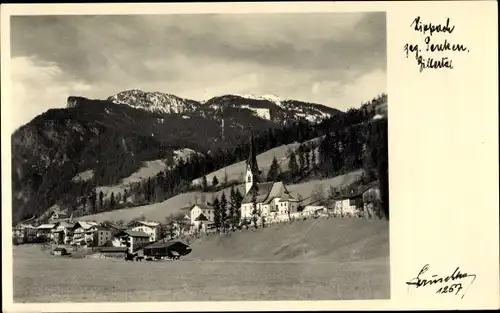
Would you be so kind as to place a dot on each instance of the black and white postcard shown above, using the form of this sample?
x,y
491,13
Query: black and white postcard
x,y
223,153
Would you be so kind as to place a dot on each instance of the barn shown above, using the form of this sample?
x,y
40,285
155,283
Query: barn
x,y
113,252
171,249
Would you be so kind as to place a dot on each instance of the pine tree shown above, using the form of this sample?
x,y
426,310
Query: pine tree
x,y
313,158
83,202
273,173
204,183
217,213
239,199
223,210
112,202
307,156
215,181
225,177
101,202
93,200
292,165
125,196
325,155
149,190
302,161
232,208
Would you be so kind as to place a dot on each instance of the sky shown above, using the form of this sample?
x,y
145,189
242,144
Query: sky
x,y
335,59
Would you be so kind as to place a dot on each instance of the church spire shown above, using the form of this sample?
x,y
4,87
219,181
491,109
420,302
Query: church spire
x,y
252,172
252,158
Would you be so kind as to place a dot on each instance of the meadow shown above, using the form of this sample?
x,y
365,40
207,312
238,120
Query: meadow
x,y
299,266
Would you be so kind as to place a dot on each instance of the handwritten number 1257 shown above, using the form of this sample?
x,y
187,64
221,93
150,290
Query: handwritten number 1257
x,y
450,289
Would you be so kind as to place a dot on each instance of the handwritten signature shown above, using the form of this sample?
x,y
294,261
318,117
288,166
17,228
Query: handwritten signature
x,y
449,284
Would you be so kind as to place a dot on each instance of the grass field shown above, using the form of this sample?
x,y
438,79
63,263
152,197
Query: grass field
x,y
352,266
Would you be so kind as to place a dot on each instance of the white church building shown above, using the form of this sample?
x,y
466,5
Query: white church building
x,y
273,201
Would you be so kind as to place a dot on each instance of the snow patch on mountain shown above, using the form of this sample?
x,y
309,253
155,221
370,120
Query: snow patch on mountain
x,y
155,102
84,176
272,98
259,112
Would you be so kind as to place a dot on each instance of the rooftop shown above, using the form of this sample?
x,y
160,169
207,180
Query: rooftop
x,y
85,225
202,206
161,244
113,249
64,224
133,233
46,226
201,218
145,223
266,192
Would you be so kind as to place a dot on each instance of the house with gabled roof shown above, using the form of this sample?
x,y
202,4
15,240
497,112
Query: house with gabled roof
x,y
133,240
352,202
150,228
201,215
57,216
84,232
272,199
63,232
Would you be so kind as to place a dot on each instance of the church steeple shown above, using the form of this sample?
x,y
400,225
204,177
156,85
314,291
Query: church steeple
x,y
252,171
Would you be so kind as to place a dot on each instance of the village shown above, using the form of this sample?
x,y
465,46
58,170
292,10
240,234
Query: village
x,y
262,204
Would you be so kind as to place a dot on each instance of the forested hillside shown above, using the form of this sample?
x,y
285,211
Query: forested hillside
x,y
114,139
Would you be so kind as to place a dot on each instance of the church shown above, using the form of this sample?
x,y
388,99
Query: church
x,y
273,200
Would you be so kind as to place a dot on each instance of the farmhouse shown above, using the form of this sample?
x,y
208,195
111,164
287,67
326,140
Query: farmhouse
x,y
63,232
133,240
102,235
273,200
22,231
358,201
57,216
83,233
314,209
45,231
201,215
150,228
170,249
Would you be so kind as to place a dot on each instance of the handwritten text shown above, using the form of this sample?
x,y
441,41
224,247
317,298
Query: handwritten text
x,y
444,284
432,45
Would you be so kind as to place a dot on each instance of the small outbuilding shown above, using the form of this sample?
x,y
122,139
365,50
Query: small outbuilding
x,y
113,252
59,251
171,249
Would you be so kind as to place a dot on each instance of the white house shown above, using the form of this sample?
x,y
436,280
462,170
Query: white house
x,y
150,228
57,216
349,204
63,232
45,230
272,199
21,230
201,215
314,209
133,240
84,232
